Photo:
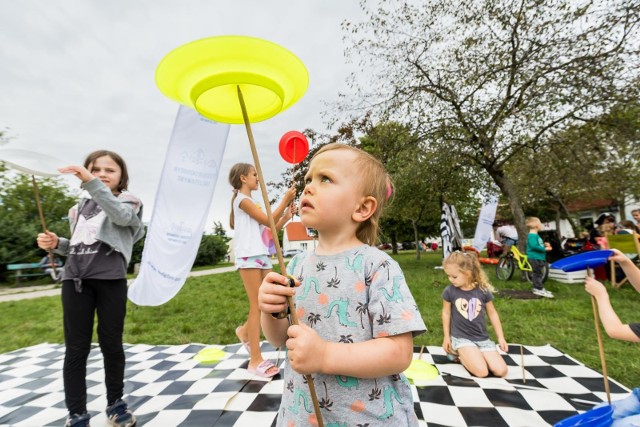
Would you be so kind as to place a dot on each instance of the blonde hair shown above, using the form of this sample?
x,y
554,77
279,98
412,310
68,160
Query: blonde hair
x,y
532,221
235,179
374,182
468,262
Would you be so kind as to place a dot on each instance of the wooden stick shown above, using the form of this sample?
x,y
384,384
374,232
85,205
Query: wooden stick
x,y
274,233
524,378
36,193
603,361
421,351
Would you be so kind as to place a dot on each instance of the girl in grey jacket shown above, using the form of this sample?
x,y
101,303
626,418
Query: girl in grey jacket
x,y
105,224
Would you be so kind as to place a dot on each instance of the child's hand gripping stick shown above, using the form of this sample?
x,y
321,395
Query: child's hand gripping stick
x,y
287,312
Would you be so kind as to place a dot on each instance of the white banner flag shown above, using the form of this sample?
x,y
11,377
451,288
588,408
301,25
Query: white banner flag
x,y
181,207
485,223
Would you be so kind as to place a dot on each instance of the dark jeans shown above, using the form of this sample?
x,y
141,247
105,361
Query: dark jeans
x,y
537,275
109,299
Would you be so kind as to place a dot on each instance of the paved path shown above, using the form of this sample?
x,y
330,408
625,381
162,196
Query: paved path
x,y
28,292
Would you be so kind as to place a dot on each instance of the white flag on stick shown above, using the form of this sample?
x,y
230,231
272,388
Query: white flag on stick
x,y
181,207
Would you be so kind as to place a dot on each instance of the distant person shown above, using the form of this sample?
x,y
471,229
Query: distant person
x,y
537,256
604,224
251,241
626,227
636,216
54,269
467,301
507,235
494,249
105,224
610,320
356,334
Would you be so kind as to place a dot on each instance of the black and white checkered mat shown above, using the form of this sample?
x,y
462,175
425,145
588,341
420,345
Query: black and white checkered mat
x,y
165,387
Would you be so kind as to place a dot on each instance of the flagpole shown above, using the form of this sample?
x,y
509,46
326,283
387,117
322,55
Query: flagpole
x,y
274,233
52,259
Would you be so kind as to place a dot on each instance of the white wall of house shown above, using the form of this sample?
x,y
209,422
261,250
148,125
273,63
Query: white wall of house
x,y
297,244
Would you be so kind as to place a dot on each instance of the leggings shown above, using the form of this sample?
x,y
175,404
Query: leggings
x,y
109,299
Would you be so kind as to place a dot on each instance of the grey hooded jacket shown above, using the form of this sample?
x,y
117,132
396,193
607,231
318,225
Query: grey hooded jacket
x,y
122,226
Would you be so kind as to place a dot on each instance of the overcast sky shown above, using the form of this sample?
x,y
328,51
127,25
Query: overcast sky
x,y
78,75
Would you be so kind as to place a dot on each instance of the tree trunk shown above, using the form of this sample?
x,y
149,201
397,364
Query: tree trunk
x,y
558,219
415,237
394,243
623,207
509,190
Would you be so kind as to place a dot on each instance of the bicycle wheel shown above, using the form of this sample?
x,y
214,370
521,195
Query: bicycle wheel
x,y
545,274
505,268
528,275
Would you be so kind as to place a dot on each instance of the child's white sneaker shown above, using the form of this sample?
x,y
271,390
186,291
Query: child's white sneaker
x,y
543,293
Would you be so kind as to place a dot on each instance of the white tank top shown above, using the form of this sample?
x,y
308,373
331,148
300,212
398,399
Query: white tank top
x,y
250,238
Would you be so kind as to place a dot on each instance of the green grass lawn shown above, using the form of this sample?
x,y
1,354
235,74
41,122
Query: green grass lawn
x,y
208,309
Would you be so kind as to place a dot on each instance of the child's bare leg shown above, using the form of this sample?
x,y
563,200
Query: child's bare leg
x,y
496,363
252,278
472,359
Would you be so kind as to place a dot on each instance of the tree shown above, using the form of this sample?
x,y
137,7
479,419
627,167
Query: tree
x,y
212,250
19,224
486,79
219,230
595,160
213,247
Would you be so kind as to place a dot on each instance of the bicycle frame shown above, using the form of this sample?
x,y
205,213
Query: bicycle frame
x,y
522,259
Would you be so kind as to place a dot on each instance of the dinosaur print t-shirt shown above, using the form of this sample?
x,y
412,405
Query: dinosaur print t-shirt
x,y
467,312
351,297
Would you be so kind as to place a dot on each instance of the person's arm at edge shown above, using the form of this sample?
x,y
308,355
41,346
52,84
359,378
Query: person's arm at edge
x,y
630,269
610,320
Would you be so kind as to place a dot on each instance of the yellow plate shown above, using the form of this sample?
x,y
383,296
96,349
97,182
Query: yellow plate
x,y
205,75
210,355
419,370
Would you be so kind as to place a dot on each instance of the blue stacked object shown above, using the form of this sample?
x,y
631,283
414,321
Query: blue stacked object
x,y
597,417
583,260
620,413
